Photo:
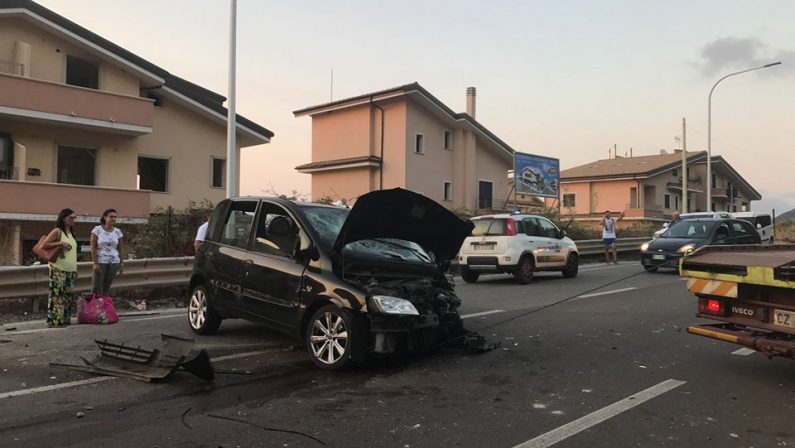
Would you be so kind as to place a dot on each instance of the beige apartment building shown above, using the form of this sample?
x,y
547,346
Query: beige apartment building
x,y
405,137
88,125
650,187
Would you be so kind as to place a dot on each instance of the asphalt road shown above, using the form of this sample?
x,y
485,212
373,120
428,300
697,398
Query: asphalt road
x,y
614,367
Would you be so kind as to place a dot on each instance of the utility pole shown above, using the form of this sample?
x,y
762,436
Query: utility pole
x,y
231,118
684,165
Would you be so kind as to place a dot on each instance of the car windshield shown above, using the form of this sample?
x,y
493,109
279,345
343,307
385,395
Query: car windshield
x,y
690,229
328,221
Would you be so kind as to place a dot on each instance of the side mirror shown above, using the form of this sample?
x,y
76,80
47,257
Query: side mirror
x,y
307,254
561,234
758,226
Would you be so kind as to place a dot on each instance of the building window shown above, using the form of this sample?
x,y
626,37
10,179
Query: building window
x,y
676,202
448,190
77,165
81,72
419,144
667,201
218,172
6,157
485,194
152,174
675,172
448,139
714,181
569,200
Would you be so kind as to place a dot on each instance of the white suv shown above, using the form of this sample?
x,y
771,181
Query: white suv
x,y
518,244
763,223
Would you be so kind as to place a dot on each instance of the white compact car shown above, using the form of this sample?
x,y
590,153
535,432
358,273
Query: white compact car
x,y
763,223
518,244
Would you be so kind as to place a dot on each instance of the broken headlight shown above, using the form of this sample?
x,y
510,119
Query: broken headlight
x,y
394,305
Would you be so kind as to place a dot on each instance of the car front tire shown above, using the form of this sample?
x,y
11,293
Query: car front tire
x,y
524,271
203,319
572,266
332,337
469,276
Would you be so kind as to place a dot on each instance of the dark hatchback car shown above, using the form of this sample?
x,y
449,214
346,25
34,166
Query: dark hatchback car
x,y
350,282
686,236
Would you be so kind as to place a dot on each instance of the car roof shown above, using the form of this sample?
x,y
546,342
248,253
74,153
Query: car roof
x,y
508,215
750,214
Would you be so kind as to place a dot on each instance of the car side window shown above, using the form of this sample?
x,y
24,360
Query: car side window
x,y
237,227
548,229
276,231
519,225
530,227
764,220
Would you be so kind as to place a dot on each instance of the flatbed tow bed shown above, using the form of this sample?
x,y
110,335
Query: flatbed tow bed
x,y
750,291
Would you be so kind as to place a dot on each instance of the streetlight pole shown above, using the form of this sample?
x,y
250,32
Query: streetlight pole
x,y
709,128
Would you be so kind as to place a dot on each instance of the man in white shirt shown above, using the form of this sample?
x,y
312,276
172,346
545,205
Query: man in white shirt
x,y
609,235
200,235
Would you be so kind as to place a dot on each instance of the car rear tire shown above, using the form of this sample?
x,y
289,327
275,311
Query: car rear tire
x,y
572,266
332,337
469,276
524,271
203,319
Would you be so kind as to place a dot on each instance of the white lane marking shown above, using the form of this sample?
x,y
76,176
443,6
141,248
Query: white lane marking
x,y
34,390
605,293
17,393
484,313
73,326
581,424
743,352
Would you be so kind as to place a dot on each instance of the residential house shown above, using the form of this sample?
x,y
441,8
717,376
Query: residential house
x,y
88,125
406,137
650,187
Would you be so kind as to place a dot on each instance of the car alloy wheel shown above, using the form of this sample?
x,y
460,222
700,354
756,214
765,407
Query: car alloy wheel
x,y
524,271
202,318
328,339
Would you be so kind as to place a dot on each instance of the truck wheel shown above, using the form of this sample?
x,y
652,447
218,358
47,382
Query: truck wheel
x,y
332,336
524,271
572,266
469,276
203,319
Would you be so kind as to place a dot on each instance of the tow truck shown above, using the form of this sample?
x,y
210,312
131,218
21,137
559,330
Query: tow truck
x,y
750,291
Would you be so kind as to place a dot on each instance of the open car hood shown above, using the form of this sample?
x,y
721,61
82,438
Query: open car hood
x,y
405,215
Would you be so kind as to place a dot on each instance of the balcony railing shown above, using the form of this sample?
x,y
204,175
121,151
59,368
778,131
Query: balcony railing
x,y
9,173
41,198
648,211
61,104
12,68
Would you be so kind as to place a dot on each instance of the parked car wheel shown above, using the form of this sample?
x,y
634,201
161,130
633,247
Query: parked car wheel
x,y
572,266
524,271
202,318
332,336
469,276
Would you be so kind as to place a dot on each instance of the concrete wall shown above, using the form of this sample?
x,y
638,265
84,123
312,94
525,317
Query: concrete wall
x,y
427,172
489,165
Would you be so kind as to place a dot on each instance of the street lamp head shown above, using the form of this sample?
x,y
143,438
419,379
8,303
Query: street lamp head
x,y
770,65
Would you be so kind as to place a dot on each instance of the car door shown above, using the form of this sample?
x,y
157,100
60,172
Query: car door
x,y
227,256
550,252
744,233
271,275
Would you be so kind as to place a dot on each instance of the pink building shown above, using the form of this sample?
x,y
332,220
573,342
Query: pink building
x,y
405,137
650,187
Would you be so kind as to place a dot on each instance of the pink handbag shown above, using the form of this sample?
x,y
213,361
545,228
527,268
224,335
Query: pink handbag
x,y
95,309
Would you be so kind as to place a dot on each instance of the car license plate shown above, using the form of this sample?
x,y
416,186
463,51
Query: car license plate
x,y
485,246
658,257
784,318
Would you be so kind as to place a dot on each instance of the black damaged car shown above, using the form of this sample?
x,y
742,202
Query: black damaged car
x,y
350,282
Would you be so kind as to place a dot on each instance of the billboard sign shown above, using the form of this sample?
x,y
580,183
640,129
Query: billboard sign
x,y
536,175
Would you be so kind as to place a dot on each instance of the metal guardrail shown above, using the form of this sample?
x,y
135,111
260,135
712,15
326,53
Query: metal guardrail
x,y
595,247
32,281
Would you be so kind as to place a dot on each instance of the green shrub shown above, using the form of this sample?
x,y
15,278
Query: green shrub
x,y
169,232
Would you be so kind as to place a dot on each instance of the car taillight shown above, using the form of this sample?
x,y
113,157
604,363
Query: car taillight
x,y
712,306
511,228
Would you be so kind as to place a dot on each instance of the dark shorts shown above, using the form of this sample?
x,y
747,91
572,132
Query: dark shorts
x,y
608,241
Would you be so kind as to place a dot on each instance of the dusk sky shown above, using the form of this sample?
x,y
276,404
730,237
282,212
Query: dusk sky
x,y
564,79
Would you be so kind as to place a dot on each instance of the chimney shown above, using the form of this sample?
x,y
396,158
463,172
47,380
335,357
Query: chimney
x,y
471,93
